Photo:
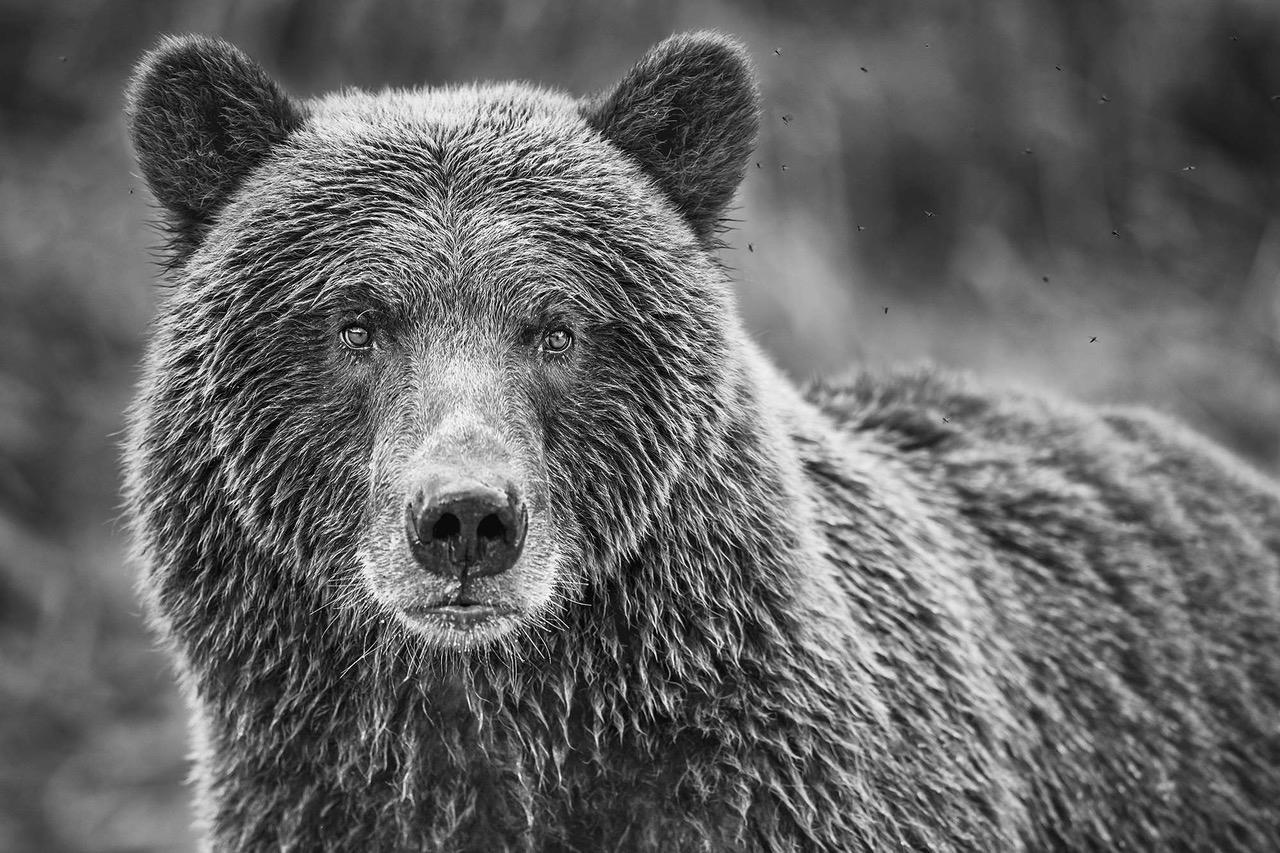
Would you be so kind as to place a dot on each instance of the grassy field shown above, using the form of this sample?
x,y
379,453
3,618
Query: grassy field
x,y
1071,195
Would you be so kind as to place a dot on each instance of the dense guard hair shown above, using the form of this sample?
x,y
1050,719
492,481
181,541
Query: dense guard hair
x,y
201,116
883,614
688,112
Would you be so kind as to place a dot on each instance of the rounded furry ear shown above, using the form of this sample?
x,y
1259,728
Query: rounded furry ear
x,y
201,115
688,112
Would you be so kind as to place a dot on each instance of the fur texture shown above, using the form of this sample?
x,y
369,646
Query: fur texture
x,y
746,618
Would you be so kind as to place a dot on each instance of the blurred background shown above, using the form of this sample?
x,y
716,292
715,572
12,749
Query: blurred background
x,y
1076,195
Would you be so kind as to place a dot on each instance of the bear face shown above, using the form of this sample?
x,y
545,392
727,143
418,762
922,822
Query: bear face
x,y
434,356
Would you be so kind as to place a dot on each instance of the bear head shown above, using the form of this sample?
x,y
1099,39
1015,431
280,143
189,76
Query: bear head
x,y
444,353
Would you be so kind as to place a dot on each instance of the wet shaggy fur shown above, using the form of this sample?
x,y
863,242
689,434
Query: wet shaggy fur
x,y
749,618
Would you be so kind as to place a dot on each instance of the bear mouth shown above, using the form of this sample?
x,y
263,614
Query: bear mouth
x,y
459,612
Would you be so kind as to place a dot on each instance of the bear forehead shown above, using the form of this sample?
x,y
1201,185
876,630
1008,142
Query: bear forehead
x,y
456,196
443,157
476,186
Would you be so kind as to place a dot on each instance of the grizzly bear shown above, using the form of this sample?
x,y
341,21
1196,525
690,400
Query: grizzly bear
x,y
474,520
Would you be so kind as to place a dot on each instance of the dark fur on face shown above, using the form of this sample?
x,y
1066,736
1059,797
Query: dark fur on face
x,y
742,618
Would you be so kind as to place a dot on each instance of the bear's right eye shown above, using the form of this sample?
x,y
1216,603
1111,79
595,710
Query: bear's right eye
x,y
356,336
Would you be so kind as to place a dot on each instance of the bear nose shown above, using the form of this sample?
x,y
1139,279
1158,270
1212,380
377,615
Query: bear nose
x,y
466,529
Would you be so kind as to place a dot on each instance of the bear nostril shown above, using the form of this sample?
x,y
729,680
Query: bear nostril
x,y
447,527
465,528
491,527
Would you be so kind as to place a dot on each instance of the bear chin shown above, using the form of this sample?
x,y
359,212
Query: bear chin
x,y
452,620
460,627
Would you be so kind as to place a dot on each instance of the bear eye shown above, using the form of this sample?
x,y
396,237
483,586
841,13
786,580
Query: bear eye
x,y
557,340
356,336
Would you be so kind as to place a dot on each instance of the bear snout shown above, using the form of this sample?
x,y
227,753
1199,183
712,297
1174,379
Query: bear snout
x,y
464,525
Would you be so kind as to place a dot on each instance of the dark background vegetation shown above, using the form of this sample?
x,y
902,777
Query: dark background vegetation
x,y
1010,178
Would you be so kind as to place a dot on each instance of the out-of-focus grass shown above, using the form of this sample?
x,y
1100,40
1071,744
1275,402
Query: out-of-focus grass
x,y
1009,178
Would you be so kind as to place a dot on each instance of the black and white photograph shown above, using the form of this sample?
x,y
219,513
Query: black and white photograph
x,y
679,426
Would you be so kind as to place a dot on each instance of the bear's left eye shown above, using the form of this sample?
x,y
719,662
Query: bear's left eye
x,y
557,340
356,336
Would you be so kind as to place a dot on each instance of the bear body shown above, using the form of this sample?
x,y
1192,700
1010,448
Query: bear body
x,y
718,613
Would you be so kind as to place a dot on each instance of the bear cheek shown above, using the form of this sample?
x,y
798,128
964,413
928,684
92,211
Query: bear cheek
x,y
291,489
615,452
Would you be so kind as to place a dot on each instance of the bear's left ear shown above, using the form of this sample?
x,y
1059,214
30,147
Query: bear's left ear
x,y
688,112
201,115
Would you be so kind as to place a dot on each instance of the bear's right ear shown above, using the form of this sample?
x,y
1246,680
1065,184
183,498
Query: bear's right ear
x,y
688,112
201,115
